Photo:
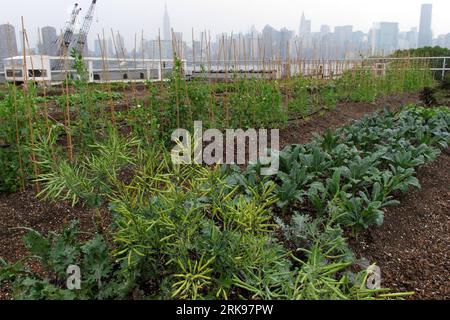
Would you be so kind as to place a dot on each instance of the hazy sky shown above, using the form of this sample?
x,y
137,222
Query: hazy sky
x,y
131,16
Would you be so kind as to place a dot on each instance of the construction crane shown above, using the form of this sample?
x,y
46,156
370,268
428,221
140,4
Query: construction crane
x,y
79,42
61,46
69,28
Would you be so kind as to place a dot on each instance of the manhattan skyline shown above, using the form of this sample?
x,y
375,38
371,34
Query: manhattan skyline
x,y
219,16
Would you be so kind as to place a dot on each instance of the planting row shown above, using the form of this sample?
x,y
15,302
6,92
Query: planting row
x,y
81,115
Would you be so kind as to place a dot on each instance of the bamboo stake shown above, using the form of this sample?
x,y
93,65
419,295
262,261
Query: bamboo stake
x,y
16,114
187,99
105,67
244,54
103,84
175,57
288,77
226,66
160,62
47,125
121,50
193,49
67,110
147,135
28,106
208,53
161,70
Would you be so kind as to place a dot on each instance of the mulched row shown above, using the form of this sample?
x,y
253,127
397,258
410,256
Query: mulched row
x,y
412,247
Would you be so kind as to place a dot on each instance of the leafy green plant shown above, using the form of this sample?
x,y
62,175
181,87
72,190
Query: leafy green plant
x,y
195,276
56,253
445,84
292,184
427,97
362,211
93,178
299,233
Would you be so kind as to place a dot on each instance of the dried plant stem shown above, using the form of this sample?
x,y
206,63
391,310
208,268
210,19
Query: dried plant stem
x,y
16,115
67,109
29,108
105,67
175,61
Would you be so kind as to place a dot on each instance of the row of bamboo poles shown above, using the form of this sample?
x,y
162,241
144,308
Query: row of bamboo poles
x,y
228,55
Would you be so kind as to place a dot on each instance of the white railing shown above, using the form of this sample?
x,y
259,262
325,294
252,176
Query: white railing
x,y
99,69
139,70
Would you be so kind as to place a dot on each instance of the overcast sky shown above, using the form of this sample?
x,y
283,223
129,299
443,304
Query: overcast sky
x,y
132,16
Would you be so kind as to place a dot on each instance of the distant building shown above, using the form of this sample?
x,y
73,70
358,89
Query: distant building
x,y
276,42
167,33
308,27
180,45
439,41
111,52
105,47
85,46
305,26
443,40
195,51
8,42
285,37
425,33
49,45
252,51
99,47
269,40
384,38
411,38
358,44
119,45
325,29
343,36
155,49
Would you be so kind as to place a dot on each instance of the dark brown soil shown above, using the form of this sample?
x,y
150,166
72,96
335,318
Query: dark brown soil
x,y
302,131
23,210
412,247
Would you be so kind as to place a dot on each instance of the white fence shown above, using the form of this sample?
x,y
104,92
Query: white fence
x,y
103,70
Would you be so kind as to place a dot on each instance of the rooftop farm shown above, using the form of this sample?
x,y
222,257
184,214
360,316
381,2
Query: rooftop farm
x,y
93,161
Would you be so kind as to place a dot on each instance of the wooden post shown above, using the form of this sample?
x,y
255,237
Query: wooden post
x,y
16,113
29,110
444,65
175,57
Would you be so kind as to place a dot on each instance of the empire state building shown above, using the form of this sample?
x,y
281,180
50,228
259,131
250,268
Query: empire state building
x,y
166,25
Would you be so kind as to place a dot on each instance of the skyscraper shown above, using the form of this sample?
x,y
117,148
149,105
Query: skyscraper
x,y
305,26
425,33
325,29
343,39
276,42
343,35
119,45
384,37
49,41
411,37
99,47
8,42
167,33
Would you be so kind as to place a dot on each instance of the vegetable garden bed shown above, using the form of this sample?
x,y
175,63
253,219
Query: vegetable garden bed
x,y
149,229
176,236
412,245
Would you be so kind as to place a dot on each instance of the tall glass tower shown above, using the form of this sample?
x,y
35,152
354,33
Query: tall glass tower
x,y
425,33
166,25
